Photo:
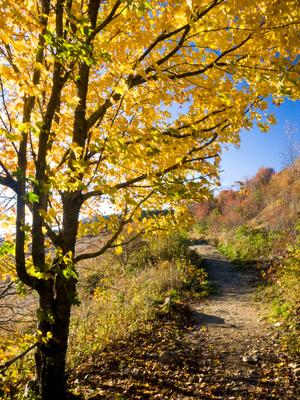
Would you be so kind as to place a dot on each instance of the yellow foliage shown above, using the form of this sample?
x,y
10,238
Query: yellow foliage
x,y
149,58
123,108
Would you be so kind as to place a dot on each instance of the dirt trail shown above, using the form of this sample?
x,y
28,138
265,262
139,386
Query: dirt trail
x,y
242,344
231,316
219,348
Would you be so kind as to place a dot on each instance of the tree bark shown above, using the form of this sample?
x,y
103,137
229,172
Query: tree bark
x,y
53,325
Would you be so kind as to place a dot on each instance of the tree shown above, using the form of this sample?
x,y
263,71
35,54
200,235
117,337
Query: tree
x,y
261,178
291,153
88,92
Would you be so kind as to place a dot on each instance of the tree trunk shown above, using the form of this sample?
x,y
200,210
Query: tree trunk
x,y
56,298
54,319
50,363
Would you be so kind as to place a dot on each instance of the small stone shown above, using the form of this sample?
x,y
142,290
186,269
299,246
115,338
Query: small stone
x,y
167,357
251,358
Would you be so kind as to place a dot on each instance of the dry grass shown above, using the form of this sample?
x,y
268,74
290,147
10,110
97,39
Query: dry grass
x,y
119,293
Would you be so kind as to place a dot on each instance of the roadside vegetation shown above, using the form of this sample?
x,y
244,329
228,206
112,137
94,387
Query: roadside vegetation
x,y
259,224
120,294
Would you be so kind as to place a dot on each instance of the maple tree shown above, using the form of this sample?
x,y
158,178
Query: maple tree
x,y
89,91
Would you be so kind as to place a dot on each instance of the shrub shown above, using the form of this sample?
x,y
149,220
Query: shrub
x,y
128,289
246,244
287,307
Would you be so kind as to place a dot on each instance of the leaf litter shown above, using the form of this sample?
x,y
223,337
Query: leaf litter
x,y
215,349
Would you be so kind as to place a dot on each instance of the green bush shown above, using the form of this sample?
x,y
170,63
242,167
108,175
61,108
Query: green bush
x,y
288,306
246,244
283,295
199,229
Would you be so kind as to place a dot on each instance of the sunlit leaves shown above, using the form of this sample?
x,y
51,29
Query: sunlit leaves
x,y
66,51
32,197
168,83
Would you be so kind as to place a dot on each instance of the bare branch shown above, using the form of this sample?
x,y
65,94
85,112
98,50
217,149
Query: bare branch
x,y
6,289
110,243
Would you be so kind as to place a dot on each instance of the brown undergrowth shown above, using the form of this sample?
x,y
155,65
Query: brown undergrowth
x,y
173,358
213,349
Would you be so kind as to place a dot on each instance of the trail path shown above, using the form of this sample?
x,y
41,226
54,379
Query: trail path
x,y
238,339
231,316
219,348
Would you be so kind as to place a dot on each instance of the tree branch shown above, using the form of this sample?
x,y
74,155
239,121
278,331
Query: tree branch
x,y
138,79
7,364
130,182
109,243
132,81
111,16
38,237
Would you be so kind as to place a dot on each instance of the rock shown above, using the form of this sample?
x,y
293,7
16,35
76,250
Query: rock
x,y
250,358
167,357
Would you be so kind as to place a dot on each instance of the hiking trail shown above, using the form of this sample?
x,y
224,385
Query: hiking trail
x,y
242,344
217,348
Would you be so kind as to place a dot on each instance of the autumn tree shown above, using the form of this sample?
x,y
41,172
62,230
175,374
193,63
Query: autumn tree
x,y
261,178
201,210
89,91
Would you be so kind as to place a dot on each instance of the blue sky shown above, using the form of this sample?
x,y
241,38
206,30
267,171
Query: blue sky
x,y
260,149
